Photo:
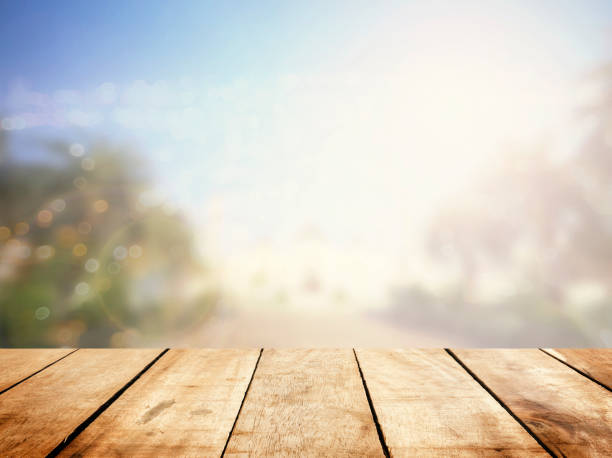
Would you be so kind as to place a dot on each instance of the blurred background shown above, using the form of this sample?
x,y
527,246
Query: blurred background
x,y
306,173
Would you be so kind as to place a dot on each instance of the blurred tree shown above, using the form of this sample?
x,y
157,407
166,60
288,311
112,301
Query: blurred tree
x,y
90,255
545,224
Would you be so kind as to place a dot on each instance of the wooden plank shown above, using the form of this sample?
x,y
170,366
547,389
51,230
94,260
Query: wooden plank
x,y
595,363
36,415
306,403
185,405
569,413
427,405
19,363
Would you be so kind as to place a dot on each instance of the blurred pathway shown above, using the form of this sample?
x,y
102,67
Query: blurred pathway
x,y
280,329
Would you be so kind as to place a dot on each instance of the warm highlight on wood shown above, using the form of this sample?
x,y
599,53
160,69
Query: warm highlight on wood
x,y
428,405
568,412
305,402
596,363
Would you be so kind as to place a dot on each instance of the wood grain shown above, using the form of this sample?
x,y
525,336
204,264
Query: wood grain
x,y
306,403
596,363
185,405
568,412
36,415
427,405
19,363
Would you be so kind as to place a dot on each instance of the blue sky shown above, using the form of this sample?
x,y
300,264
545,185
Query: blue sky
x,y
70,43
75,44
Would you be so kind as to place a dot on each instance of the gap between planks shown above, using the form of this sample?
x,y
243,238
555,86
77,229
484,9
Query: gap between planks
x,y
567,412
379,430
63,444
229,436
571,366
499,401
309,402
36,372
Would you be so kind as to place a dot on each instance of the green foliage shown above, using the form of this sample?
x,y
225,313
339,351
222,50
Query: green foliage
x,y
85,259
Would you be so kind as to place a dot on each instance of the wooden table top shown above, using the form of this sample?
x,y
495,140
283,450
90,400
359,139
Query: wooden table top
x,y
306,402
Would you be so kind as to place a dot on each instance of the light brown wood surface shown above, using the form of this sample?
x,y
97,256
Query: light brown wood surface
x,y
36,415
185,405
568,412
305,403
596,363
428,405
20,363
